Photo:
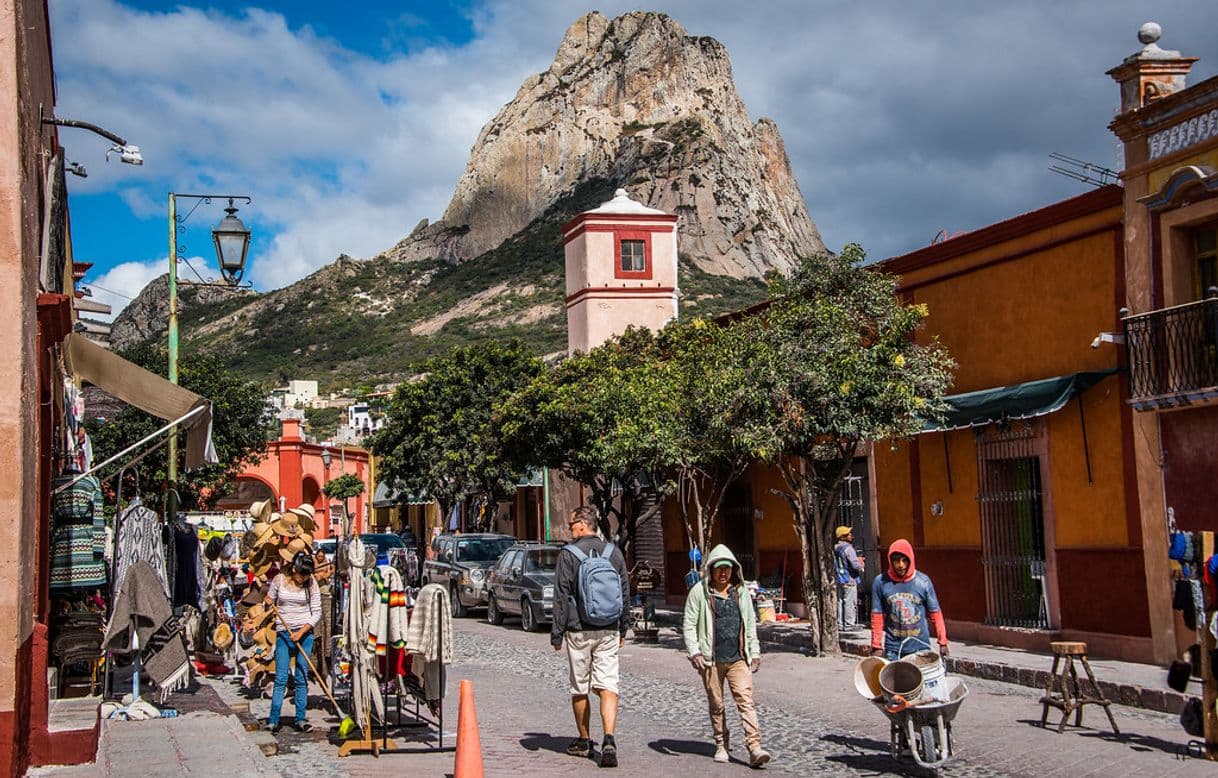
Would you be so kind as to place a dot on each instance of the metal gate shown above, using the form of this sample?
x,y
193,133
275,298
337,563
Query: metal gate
x,y
1012,529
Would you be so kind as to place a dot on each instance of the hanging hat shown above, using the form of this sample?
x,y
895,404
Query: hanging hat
x,y
260,563
842,532
260,533
260,510
256,616
303,542
305,513
266,637
287,525
222,636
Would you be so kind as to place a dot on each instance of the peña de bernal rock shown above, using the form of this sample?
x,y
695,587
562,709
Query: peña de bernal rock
x,y
633,102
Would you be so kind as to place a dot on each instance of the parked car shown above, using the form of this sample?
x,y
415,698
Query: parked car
x,y
522,582
460,563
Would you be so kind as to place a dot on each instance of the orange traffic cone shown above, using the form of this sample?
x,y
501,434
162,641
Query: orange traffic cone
x,y
468,762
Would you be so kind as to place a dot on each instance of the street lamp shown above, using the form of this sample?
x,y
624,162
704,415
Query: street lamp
x,y
326,458
232,240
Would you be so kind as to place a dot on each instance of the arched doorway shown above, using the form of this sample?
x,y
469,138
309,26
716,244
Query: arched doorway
x,y
246,489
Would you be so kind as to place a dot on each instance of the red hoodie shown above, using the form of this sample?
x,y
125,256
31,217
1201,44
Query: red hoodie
x,y
903,547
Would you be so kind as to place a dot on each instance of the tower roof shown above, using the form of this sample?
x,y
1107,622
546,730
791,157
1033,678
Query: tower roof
x,y
622,204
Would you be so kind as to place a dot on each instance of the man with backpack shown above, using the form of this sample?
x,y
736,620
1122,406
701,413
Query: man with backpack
x,y
591,589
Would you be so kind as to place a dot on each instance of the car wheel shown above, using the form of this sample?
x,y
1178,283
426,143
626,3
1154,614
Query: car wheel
x,y
458,607
528,621
493,614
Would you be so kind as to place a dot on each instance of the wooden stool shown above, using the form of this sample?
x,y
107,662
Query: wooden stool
x,y
1073,697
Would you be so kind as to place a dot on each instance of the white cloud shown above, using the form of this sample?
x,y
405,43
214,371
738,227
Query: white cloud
x,y
118,285
899,119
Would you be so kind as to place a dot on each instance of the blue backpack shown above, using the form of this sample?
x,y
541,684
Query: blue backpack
x,y
600,587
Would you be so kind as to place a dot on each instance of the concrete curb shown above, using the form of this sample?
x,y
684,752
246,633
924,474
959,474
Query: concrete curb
x,y
1132,695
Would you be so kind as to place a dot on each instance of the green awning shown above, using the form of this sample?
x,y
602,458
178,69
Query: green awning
x,y
1017,401
385,497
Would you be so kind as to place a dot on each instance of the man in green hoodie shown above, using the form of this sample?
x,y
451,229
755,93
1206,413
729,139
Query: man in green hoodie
x,y
721,640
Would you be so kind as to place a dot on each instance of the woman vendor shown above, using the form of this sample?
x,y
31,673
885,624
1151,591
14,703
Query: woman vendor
x,y
298,598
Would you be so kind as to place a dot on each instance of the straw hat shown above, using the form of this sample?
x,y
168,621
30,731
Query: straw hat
x,y
266,637
256,616
286,525
303,542
259,533
260,510
260,563
222,636
305,513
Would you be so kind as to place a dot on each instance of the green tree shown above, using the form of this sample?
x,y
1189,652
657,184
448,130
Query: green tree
x,y
707,399
239,429
441,437
604,419
837,363
343,488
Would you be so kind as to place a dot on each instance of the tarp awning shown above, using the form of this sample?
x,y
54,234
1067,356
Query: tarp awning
x,y
1017,401
145,390
385,497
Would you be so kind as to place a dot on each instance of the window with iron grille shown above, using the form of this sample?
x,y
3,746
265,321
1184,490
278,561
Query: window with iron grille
x,y
634,256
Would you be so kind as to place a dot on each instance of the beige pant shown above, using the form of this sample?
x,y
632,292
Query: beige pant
x,y
740,680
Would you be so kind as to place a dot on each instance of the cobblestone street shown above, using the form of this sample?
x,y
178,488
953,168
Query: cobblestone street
x,y
813,721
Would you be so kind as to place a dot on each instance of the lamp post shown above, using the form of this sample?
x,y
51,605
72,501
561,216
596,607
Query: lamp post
x,y
326,458
232,240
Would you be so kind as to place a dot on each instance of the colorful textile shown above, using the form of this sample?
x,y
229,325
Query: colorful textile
x,y
78,535
387,618
141,602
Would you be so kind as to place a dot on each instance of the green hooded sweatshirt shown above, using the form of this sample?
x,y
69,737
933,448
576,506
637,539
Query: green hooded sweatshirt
x,y
699,627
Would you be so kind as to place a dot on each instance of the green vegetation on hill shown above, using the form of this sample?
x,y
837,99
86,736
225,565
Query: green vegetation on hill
x,y
352,321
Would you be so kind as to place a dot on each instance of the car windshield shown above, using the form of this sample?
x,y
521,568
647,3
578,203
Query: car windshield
x,y
482,549
325,545
541,560
383,542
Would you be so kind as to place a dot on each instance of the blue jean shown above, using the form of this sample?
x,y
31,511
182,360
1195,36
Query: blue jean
x,y
285,649
847,605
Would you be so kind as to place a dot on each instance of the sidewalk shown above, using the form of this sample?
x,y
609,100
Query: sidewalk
x,y
1129,683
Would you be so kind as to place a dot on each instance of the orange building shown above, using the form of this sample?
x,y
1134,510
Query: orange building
x,y
1022,505
293,471
1170,138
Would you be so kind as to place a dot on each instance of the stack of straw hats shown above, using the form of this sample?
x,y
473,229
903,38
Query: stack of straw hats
x,y
259,625
275,538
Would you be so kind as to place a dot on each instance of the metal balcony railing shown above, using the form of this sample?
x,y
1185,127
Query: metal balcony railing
x,y
1172,354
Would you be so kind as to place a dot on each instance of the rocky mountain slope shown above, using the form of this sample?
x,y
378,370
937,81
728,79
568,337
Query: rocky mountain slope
x,y
639,101
632,102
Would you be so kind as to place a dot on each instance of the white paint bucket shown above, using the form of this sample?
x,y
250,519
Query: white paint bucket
x,y
934,674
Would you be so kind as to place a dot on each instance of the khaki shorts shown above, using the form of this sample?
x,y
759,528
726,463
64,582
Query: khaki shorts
x,y
592,656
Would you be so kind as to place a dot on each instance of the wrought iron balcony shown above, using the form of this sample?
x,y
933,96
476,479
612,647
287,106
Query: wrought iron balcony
x,y
1172,354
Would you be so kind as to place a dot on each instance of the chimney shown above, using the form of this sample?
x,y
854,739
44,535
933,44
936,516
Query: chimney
x,y
1152,73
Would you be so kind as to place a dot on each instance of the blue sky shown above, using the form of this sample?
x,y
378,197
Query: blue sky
x,y
349,122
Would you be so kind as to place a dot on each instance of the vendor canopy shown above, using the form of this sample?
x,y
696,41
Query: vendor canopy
x,y
147,391
1017,401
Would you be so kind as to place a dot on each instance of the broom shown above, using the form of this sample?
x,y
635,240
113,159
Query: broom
x,y
347,725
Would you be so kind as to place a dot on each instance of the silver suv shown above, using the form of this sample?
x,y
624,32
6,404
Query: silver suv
x,y
461,563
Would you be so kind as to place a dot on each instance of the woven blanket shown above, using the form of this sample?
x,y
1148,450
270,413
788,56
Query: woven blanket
x,y
141,602
430,633
74,564
387,618
139,540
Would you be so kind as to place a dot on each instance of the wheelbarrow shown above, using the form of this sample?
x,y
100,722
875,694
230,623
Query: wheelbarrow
x,y
922,728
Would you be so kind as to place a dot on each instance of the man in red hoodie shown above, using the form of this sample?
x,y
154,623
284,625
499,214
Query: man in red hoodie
x,y
902,602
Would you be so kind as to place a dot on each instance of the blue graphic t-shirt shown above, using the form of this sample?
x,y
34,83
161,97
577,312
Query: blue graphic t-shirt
x,y
904,605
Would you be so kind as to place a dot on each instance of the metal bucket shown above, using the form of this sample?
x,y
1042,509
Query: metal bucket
x,y
867,676
901,679
934,674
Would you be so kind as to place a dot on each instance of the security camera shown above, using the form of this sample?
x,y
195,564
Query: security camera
x,y
77,169
128,154
1108,337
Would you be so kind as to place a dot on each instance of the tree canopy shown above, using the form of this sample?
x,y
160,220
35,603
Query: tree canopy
x,y
837,362
440,438
239,428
